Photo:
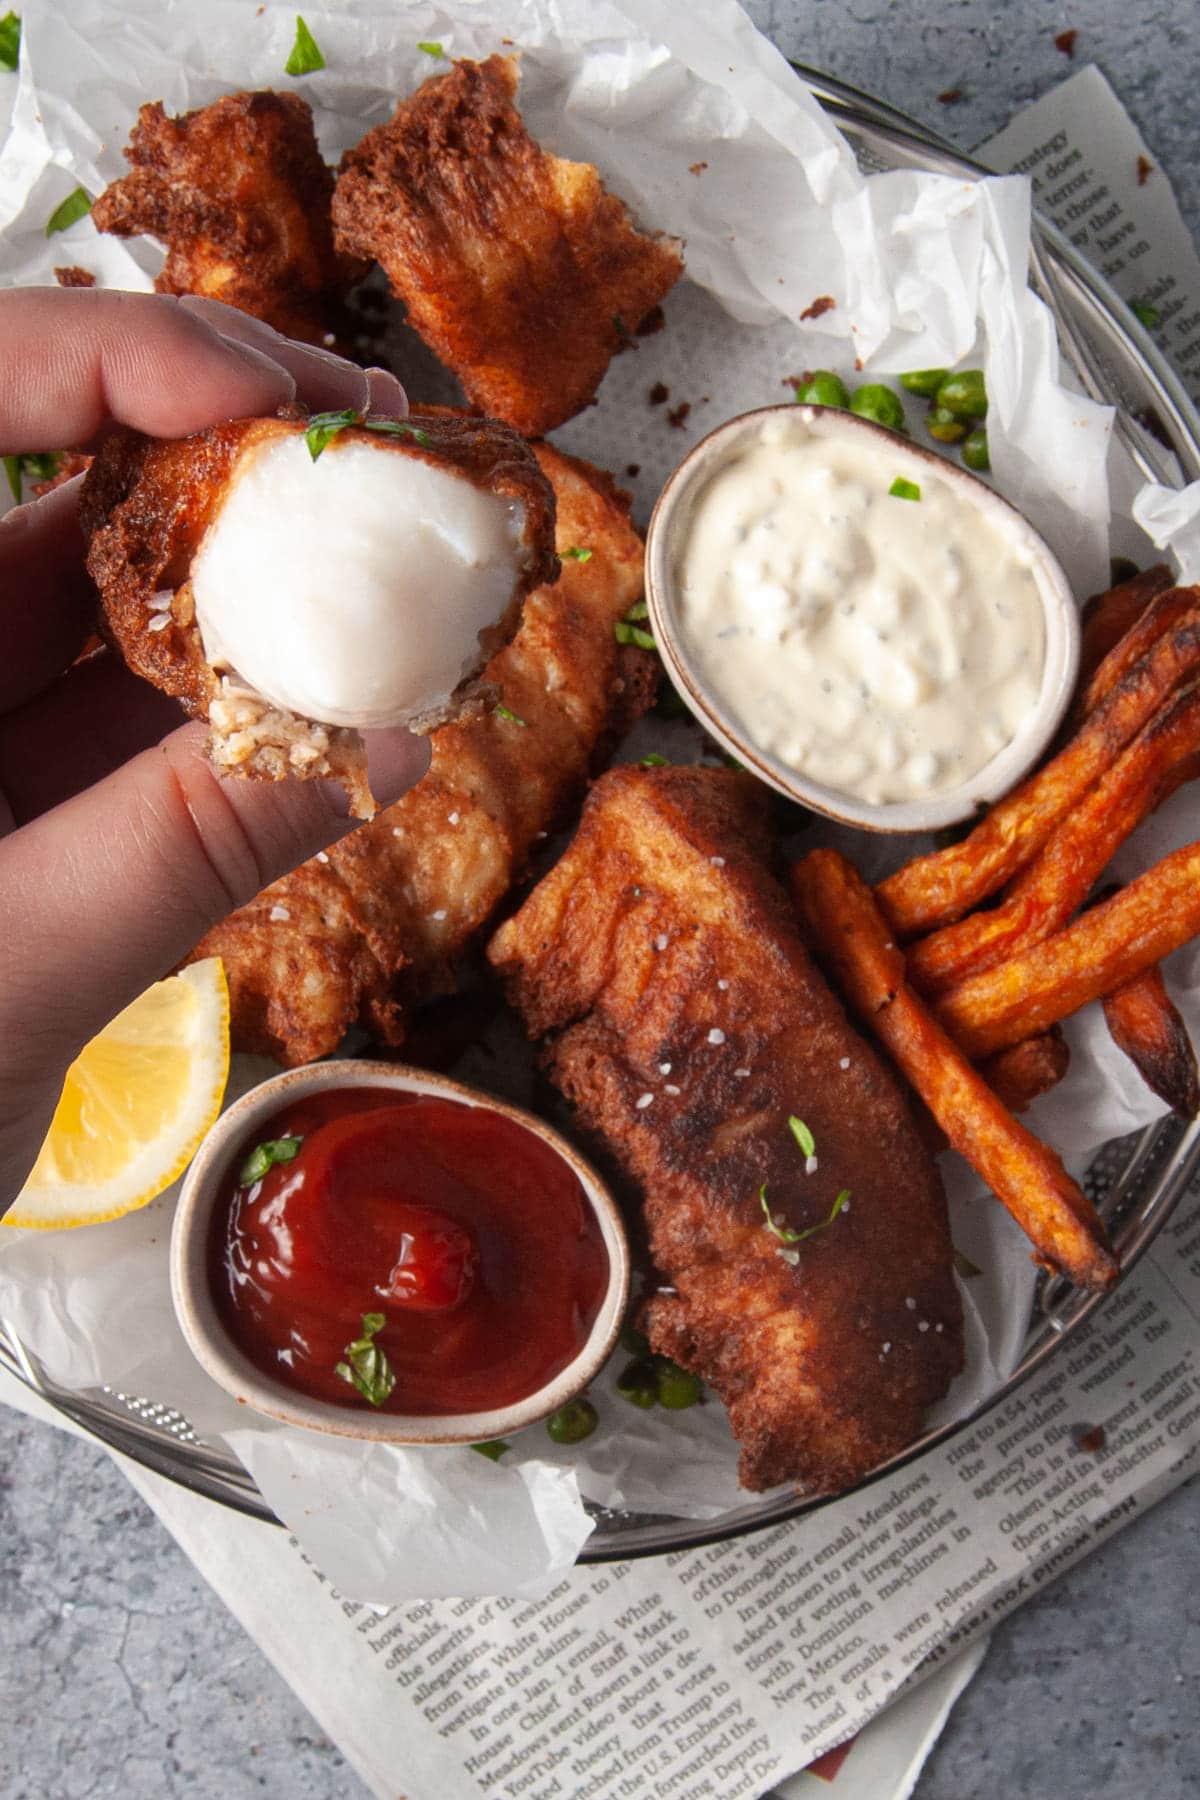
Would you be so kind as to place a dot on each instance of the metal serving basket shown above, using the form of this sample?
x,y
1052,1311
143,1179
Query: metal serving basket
x,y
1135,1181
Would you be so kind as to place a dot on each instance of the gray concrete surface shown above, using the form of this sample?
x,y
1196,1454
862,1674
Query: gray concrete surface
x,y
121,1674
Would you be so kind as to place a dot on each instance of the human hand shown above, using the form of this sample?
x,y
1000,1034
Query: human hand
x,y
119,846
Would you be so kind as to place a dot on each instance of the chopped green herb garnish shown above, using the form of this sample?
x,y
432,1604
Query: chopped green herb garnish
x,y
496,1448
786,1235
324,427
573,1422
677,1388
76,206
10,40
802,1135
946,426
576,554
306,57
923,381
964,394
34,465
265,1156
397,428
975,450
965,1266
904,490
822,388
878,403
625,633
431,48
504,712
366,1366
655,761
638,1383
1147,315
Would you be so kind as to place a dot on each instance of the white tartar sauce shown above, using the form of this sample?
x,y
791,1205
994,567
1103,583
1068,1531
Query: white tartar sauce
x,y
885,647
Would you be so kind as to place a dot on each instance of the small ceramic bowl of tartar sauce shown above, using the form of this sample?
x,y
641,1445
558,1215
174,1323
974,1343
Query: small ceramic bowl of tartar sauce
x,y
869,627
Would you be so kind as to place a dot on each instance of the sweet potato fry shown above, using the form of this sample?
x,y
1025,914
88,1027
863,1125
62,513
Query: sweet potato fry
x,y
838,912
937,889
1019,1074
1108,616
1165,753
1146,1024
1164,611
1100,951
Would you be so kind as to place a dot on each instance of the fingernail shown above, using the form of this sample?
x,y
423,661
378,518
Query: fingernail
x,y
322,380
266,366
396,761
388,399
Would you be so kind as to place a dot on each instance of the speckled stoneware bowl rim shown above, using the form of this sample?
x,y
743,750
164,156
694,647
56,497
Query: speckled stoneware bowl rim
x,y
221,1358
1059,671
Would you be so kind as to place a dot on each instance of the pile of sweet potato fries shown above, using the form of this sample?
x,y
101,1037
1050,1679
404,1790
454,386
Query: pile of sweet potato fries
x,y
969,1007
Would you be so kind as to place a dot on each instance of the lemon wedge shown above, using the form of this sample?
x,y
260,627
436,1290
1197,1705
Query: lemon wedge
x,y
135,1104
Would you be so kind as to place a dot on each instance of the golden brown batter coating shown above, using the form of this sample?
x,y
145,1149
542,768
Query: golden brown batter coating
x,y
239,195
517,268
145,507
662,958
381,922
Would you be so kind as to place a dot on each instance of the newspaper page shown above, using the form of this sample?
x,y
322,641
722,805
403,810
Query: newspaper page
x,y
724,1670
241,1558
1095,178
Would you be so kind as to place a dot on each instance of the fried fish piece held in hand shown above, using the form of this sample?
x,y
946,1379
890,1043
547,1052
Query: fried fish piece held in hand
x,y
380,922
296,584
690,1030
239,195
517,267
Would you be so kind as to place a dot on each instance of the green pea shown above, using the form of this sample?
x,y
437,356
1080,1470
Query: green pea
x,y
874,401
638,1384
975,450
677,1388
823,388
945,426
635,1341
573,1422
964,394
923,381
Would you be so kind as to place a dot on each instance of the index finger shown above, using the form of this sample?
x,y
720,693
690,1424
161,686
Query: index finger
x,y
72,358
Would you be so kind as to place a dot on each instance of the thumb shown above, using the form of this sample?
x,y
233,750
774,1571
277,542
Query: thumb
x,y
106,893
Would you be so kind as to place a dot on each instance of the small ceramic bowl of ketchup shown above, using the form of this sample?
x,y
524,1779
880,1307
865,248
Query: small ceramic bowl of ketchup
x,y
379,1252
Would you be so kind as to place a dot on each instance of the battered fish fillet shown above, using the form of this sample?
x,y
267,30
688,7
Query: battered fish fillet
x,y
687,1025
239,195
517,268
380,923
145,506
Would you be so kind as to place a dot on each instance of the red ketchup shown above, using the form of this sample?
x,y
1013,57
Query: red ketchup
x,y
472,1237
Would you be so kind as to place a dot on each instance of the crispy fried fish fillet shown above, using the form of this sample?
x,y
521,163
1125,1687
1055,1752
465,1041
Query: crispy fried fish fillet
x,y
517,268
240,196
380,922
145,507
688,1024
